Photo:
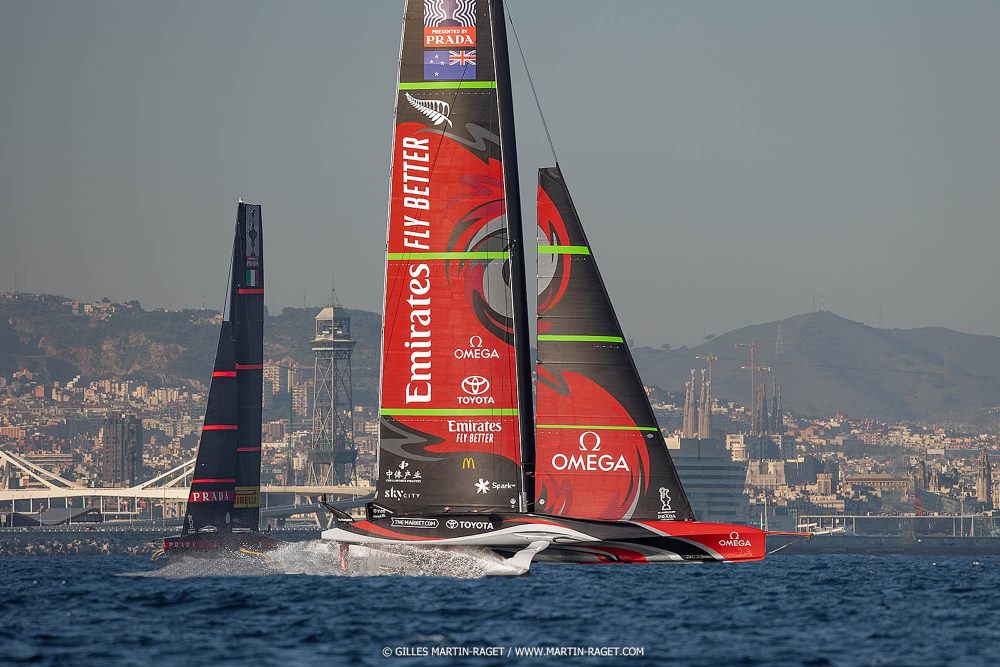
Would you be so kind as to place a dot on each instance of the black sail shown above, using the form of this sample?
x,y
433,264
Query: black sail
x,y
210,500
599,452
246,312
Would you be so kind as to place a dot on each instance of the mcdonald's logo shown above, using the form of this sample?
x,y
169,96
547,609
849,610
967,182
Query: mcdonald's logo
x,y
468,463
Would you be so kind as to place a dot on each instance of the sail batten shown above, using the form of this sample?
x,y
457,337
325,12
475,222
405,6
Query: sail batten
x,y
600,453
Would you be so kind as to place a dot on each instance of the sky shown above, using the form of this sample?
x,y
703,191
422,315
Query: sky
x,y
733,162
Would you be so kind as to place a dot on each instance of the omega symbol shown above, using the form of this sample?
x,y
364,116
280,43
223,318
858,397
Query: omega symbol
x,y
596,442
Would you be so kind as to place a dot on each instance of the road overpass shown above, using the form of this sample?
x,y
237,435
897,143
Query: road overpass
x,y
170,488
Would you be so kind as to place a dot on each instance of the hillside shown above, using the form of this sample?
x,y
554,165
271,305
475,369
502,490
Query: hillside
x,y
161,347
830,364
833,364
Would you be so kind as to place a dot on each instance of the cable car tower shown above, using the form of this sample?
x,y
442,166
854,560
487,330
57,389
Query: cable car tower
x,y
333,456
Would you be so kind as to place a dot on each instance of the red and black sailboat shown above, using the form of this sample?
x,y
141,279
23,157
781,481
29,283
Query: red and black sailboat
x,y
223,507
461,460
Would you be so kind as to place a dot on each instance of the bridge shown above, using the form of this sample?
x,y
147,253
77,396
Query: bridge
x,y
169,487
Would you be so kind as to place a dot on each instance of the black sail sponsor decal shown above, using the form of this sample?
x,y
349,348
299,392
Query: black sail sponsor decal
x,y
210,500
246,312
599,452
450,433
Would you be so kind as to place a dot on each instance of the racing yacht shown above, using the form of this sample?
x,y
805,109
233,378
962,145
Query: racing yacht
x,y
470,453
223,506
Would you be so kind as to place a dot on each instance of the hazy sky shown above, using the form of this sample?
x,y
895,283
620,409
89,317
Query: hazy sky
x,y
733,162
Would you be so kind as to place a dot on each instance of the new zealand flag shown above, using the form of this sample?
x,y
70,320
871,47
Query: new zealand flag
x,y
450,65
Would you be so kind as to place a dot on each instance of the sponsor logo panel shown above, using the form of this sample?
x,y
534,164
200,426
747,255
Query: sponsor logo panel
x,y
589,457
450,34
454,524
252,240
211,496
476,432
734,541
247,496
459,435
396,494
409,522
450,37
588,471
666,513
477,391
485,486
189,544
476,350
404,473
449,23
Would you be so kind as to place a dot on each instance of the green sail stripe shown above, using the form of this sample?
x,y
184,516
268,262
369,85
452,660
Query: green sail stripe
x,y
439,85
563,250
448,412
592,427
500,254
581,339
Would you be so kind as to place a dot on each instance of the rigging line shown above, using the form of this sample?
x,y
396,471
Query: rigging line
x,y
538,103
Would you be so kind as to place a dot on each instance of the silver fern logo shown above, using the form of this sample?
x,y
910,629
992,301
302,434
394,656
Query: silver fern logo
x,y
436,110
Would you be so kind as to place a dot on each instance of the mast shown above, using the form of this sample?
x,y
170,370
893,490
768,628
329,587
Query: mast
x,y
508,148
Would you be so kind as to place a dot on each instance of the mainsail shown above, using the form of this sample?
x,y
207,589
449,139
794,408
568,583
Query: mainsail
x,y
455,369
600,454
246,313
210,500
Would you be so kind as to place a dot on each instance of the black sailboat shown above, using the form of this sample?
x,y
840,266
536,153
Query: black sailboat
x,y
223,506
462,461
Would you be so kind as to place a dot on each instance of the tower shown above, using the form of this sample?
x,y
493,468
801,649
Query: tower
x,y
705,422
121,450
777,419
333,455
752,345
763,423
705,408
779,345
984,481
690,426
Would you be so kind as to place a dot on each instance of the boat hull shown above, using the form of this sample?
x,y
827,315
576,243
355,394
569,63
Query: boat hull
x,y
211,545
567,540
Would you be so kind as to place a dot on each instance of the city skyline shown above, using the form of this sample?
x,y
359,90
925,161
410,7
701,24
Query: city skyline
x,y
858,175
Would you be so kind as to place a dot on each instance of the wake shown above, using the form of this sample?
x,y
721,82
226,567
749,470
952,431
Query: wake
x,y
319,558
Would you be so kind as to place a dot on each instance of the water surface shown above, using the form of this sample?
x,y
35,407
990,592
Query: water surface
x,y
788,610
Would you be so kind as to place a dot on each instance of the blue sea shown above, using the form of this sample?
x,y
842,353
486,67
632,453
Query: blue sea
x,y
787,610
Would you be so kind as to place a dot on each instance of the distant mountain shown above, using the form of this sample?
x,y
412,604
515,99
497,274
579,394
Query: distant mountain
x,y
832,364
